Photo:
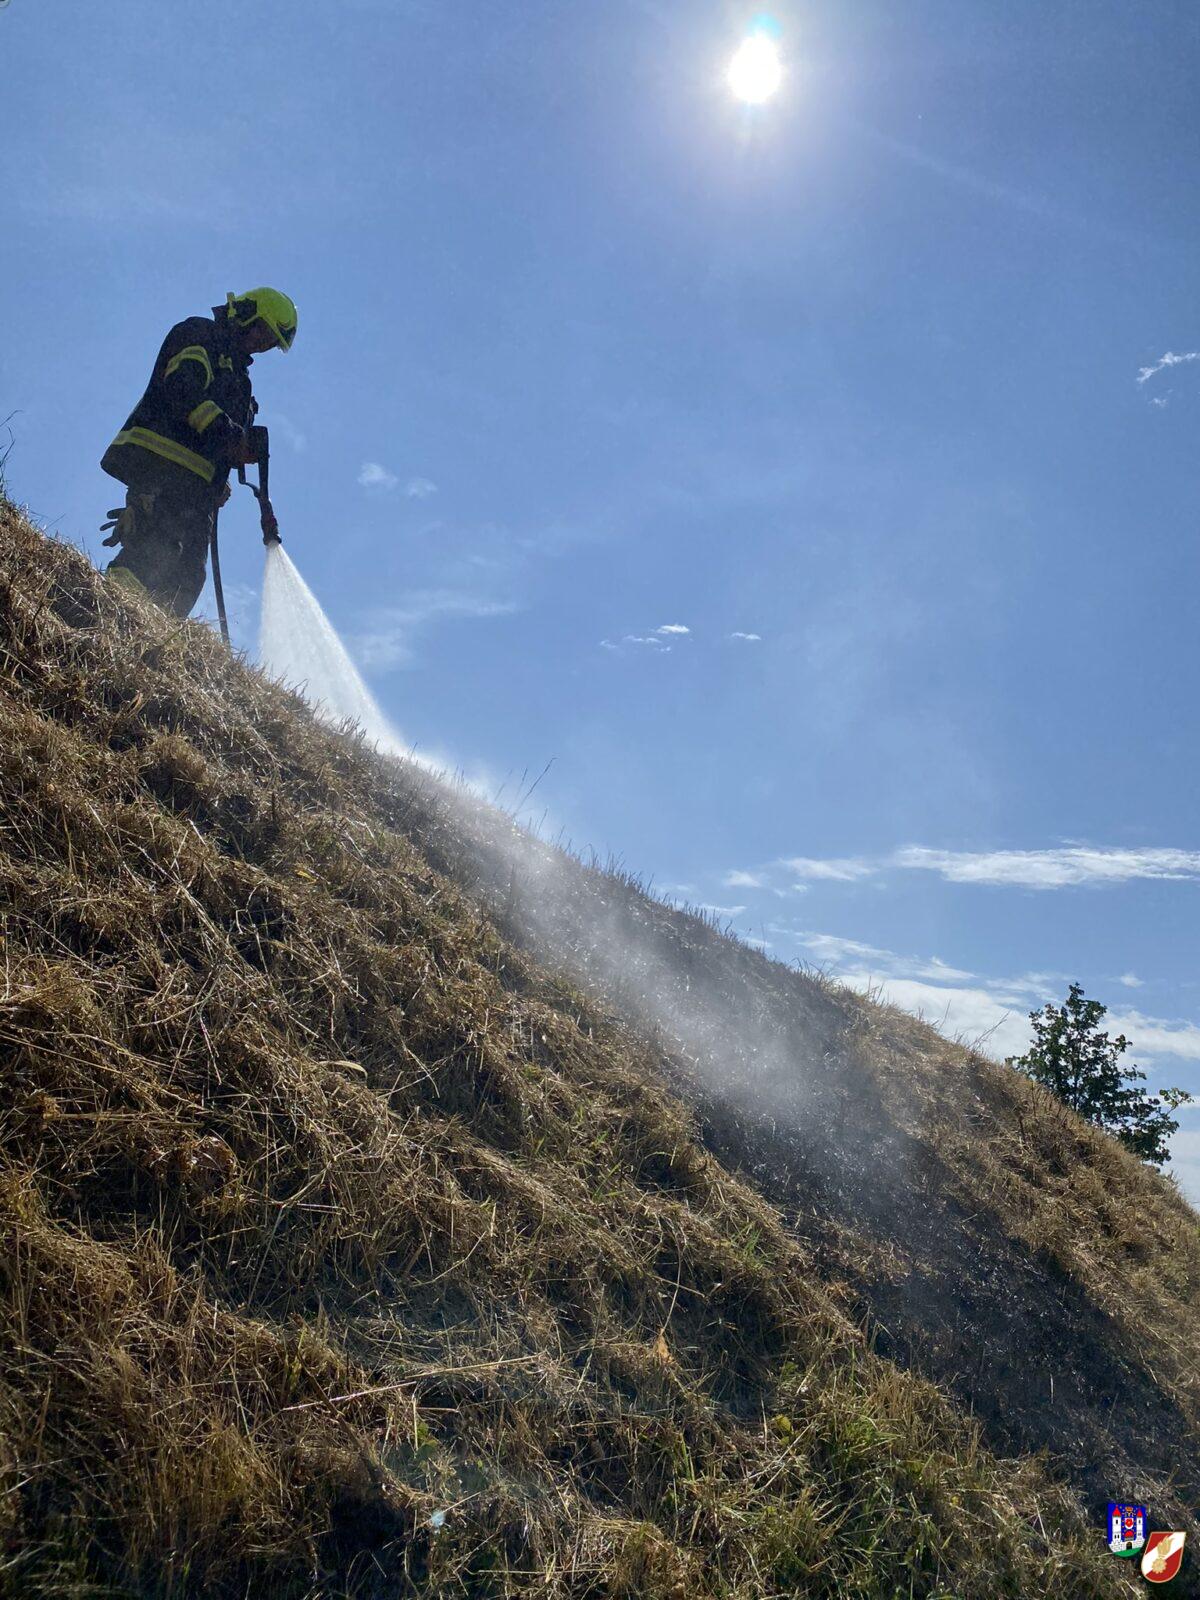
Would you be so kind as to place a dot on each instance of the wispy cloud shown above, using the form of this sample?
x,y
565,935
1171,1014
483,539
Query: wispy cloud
x,y
832,947
1171,359
1130,980
675,631
1068,866
840,870
744,880
1051,869
656,640
371,475
650,641
420,488
388,640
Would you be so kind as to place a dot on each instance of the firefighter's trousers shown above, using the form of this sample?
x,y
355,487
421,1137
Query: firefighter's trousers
x,y
164,533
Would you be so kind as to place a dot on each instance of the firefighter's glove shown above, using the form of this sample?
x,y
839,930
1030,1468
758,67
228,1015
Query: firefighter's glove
x,y
115,518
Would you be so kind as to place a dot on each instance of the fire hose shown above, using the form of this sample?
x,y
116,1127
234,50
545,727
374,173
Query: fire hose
x,y
259,443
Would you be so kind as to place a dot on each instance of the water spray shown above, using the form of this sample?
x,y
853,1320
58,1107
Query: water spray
x,y
299,644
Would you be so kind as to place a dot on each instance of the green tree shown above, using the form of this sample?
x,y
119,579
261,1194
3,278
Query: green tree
x,y
1072,1056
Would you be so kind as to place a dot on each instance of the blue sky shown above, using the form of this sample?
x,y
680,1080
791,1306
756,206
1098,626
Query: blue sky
x,y
863,389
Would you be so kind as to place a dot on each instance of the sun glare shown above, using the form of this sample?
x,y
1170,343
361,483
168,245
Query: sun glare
x,y
756,71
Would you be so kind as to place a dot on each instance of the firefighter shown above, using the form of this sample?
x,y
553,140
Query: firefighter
x,y
188,430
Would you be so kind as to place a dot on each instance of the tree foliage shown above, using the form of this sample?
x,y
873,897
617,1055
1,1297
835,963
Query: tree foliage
x,y
1072,1056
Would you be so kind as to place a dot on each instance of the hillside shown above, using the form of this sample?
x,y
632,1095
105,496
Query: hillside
x,y
395,1205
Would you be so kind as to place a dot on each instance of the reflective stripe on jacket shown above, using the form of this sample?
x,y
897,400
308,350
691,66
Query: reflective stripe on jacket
x,y
197,402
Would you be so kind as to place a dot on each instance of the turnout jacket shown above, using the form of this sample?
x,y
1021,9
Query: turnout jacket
x,y
197,402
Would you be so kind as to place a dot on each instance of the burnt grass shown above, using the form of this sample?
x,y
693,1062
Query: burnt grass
x,y
393,1204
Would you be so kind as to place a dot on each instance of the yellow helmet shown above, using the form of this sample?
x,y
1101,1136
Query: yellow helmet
x,y
265,305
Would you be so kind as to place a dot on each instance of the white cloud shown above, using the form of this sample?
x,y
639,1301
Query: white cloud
x,y
388,641
841,870
723,911
744,880
1154,1036
1051,869
1130,980
650,639
420,488
1169,360
832,947
937,968
1068,866
372,476
975,1015
1044,985
748,638
656,641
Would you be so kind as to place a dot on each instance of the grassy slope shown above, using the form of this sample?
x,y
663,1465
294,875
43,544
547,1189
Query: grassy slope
x,y
987,1236
329,1206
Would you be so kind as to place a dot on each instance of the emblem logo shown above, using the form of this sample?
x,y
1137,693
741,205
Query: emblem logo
x,y
1126,1528
1163,1557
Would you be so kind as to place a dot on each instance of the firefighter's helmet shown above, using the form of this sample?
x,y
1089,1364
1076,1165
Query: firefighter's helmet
x,y
265,305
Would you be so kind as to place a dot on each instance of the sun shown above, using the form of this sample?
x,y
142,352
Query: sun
x,y
756,71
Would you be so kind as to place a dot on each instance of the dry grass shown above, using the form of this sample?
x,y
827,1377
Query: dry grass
x,y
348,1250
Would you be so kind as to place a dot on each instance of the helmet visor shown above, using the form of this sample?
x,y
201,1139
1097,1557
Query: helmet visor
x,y
283,333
